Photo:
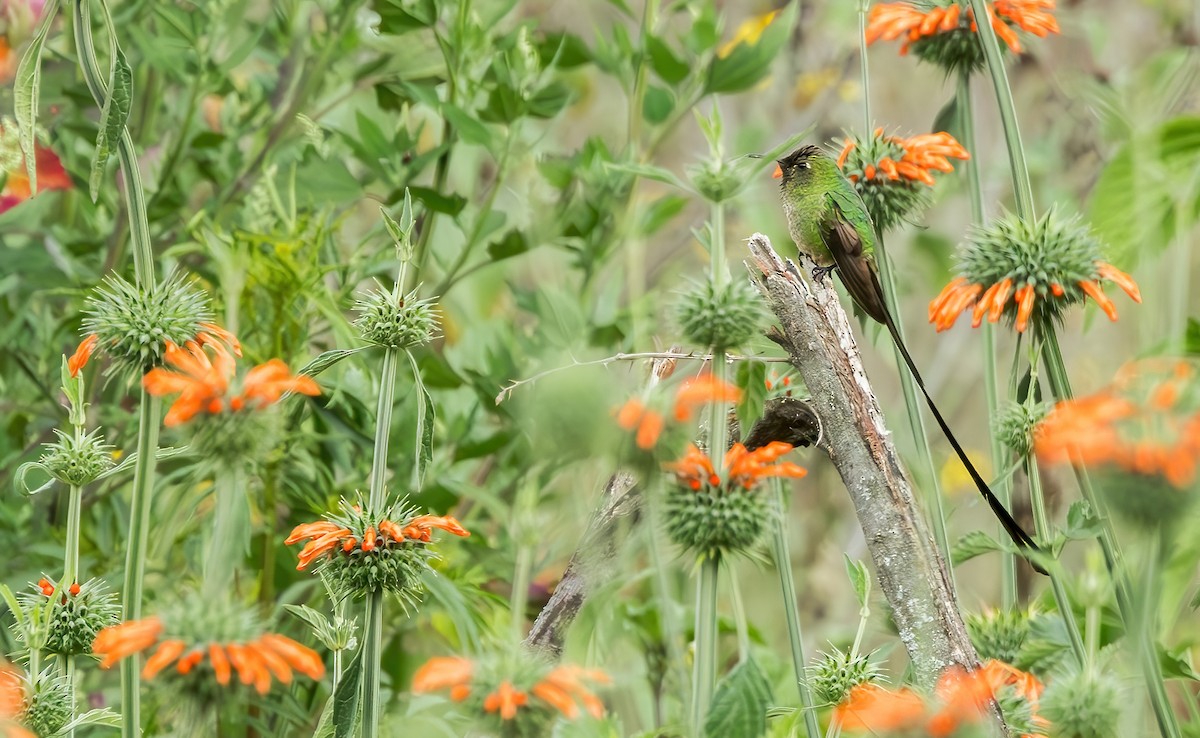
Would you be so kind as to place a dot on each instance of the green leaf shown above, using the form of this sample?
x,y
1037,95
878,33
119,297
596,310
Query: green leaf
x,y
669,67
346,698
649,171
425,421
23,471
975,543
657,104
469,129
860,577
451,204
26,86
513,244
316,620
375,144
112,119
660,212
399,16
1082,521
549,100
739,707
749,63
104,717
328,359
751,377
1177,663
948,120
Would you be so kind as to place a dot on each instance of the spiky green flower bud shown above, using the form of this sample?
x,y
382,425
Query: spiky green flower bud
x,y
713,521
835,673
77,461
396,321
49,704
723,319
1084,704
1016,423
716,182
79,614
133,323
999,634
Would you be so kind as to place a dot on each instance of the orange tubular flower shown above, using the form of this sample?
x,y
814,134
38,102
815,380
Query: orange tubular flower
x,y
200,382
444,672
266,383
505,700
254,662
50,176
1147,422
896,157
82,354
890,21
324,536
744,468
649,424
702,390
563,686
871,708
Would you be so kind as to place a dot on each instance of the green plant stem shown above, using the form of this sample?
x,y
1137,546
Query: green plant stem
x,y
71,557
671,630
231,530
787,584
739,617
139,233
135,555
1003,485
1061,599
705,671
1008,112
372,710
1168,723
522,531
916,421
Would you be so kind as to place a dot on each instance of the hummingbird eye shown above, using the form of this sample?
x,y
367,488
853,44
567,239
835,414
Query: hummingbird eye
x,y
806,165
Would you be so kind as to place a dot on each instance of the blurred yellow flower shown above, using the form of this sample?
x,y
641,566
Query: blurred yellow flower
x,y
954,477
748,33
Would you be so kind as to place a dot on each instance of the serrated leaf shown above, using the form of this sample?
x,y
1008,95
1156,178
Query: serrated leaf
x,y
26,86
346,698
113,117
1082,522
975,543
860,578
739,707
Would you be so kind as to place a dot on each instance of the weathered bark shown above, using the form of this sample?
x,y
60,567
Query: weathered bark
x,y
912,575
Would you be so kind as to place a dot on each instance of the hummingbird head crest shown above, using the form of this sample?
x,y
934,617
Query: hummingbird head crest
x,y
798,166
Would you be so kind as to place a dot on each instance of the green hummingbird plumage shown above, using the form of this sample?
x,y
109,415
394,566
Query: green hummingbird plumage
x,y
829,222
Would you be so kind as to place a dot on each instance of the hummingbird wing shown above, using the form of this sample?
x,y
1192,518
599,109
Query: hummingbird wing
x,y
845,242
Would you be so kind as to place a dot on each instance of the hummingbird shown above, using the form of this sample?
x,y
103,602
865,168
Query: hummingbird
x,y
830,224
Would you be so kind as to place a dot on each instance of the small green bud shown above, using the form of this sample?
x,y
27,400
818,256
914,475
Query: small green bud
x,y
835,673
77,461
392,321
716,182
1016,424
999,634
49,704
712,521
723,319
133,323
1085,704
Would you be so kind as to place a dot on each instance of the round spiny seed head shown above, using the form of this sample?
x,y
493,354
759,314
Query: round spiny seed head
x,y
1053,254
393,321
77,461
133,323
711,521
1084,704
835,673
1016,424
889,202
720,318
236,437
49,704
999,634
957,50
78,617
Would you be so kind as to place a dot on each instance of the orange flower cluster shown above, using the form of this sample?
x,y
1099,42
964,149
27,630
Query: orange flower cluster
x,y
1139,424
562,688
919,157
962,698
649,424
12,702
210,334
325,535
889,21
702,390
50,173
47,588
743,468
202,383
254,662
960,294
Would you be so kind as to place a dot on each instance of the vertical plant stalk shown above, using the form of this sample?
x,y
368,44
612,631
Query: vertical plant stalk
x,y
523,510
1003,485
1168,723
71,569
135,556
373,626
1042,528
705,667
150,407
916,420
787,584
231,530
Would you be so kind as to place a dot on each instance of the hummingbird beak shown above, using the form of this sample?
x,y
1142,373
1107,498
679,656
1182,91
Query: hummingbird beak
x,y
777,173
